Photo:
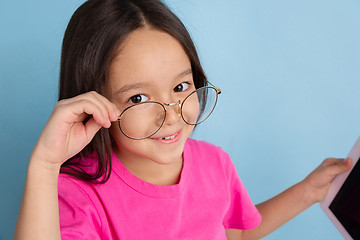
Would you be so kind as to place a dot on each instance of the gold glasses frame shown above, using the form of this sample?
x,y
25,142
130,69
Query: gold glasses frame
x,y
179,103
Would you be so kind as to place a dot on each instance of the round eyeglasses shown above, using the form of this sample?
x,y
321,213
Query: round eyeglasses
x,y
144,119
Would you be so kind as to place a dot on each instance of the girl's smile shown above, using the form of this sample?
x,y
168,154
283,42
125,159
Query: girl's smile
x,y
168,139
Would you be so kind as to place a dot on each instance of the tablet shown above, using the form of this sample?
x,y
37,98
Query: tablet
x,y
342,202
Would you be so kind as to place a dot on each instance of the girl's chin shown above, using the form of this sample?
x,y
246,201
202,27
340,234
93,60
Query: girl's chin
x,y
161,150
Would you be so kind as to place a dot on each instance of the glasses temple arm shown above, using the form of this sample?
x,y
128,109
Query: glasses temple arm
x,y
218,90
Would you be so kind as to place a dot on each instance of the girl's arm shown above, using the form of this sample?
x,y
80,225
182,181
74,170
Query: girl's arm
x,y
64,136
280,209
39,211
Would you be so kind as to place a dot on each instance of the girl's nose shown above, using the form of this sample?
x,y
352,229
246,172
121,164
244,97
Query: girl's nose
x,y
172,113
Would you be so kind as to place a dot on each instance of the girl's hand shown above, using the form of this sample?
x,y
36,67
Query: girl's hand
x,y
318,181
65,134
280,209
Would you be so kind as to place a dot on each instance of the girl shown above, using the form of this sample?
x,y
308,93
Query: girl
x,y
115,160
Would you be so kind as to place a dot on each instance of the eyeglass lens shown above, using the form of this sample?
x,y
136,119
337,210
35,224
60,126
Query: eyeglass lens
x,y
145,119
205,99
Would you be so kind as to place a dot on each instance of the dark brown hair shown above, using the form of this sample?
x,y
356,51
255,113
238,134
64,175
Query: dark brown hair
x,y
90,43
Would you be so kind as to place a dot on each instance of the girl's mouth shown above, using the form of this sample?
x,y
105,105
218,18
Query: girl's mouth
x,y
169,139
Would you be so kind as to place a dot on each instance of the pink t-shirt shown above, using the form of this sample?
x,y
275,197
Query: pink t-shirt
x,y
209,198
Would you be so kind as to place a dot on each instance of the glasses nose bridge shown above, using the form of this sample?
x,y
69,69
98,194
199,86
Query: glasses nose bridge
x,y
178,103
173,104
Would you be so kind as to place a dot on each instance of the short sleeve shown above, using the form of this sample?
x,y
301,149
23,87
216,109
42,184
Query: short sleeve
x,y
242,213
78,216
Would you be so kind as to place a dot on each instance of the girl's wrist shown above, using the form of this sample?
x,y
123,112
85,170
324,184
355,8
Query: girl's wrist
x,y
41,163
309,195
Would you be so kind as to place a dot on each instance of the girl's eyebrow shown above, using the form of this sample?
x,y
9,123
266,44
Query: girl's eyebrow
x,y
129,87
184,73
135,86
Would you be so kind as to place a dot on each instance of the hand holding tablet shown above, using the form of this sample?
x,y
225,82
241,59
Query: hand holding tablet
x,y
342,202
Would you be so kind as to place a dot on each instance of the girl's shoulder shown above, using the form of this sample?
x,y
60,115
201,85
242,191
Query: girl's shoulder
x,y
80,193
205,153
69,183
204,148
212,161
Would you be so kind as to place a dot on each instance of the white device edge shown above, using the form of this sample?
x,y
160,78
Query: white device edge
x,y
335,187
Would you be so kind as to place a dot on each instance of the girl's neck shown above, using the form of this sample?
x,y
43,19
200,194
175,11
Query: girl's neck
x,y
150,171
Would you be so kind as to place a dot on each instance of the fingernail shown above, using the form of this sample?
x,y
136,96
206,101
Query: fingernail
x,y
114,116
108,123
347,161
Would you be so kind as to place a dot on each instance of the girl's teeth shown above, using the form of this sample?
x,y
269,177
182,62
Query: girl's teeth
x,y
171,137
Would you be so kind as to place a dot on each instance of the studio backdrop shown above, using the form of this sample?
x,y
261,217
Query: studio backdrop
x,y
289,72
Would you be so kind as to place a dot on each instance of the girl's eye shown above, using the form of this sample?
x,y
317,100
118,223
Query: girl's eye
x,y
138,98
181,87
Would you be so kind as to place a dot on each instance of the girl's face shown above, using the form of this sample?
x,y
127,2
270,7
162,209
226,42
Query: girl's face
x,y
152,66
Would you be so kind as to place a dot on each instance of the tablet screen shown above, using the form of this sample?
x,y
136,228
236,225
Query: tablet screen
x,y
346,204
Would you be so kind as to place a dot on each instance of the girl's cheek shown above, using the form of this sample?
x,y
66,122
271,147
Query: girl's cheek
x,y
191,110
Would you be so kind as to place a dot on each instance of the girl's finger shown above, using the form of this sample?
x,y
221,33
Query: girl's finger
x,y
113,112
332,161
91,128
95,99
107,108
76,111
340,166
98,114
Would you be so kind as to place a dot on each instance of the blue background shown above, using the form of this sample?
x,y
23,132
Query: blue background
x,y
289,72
